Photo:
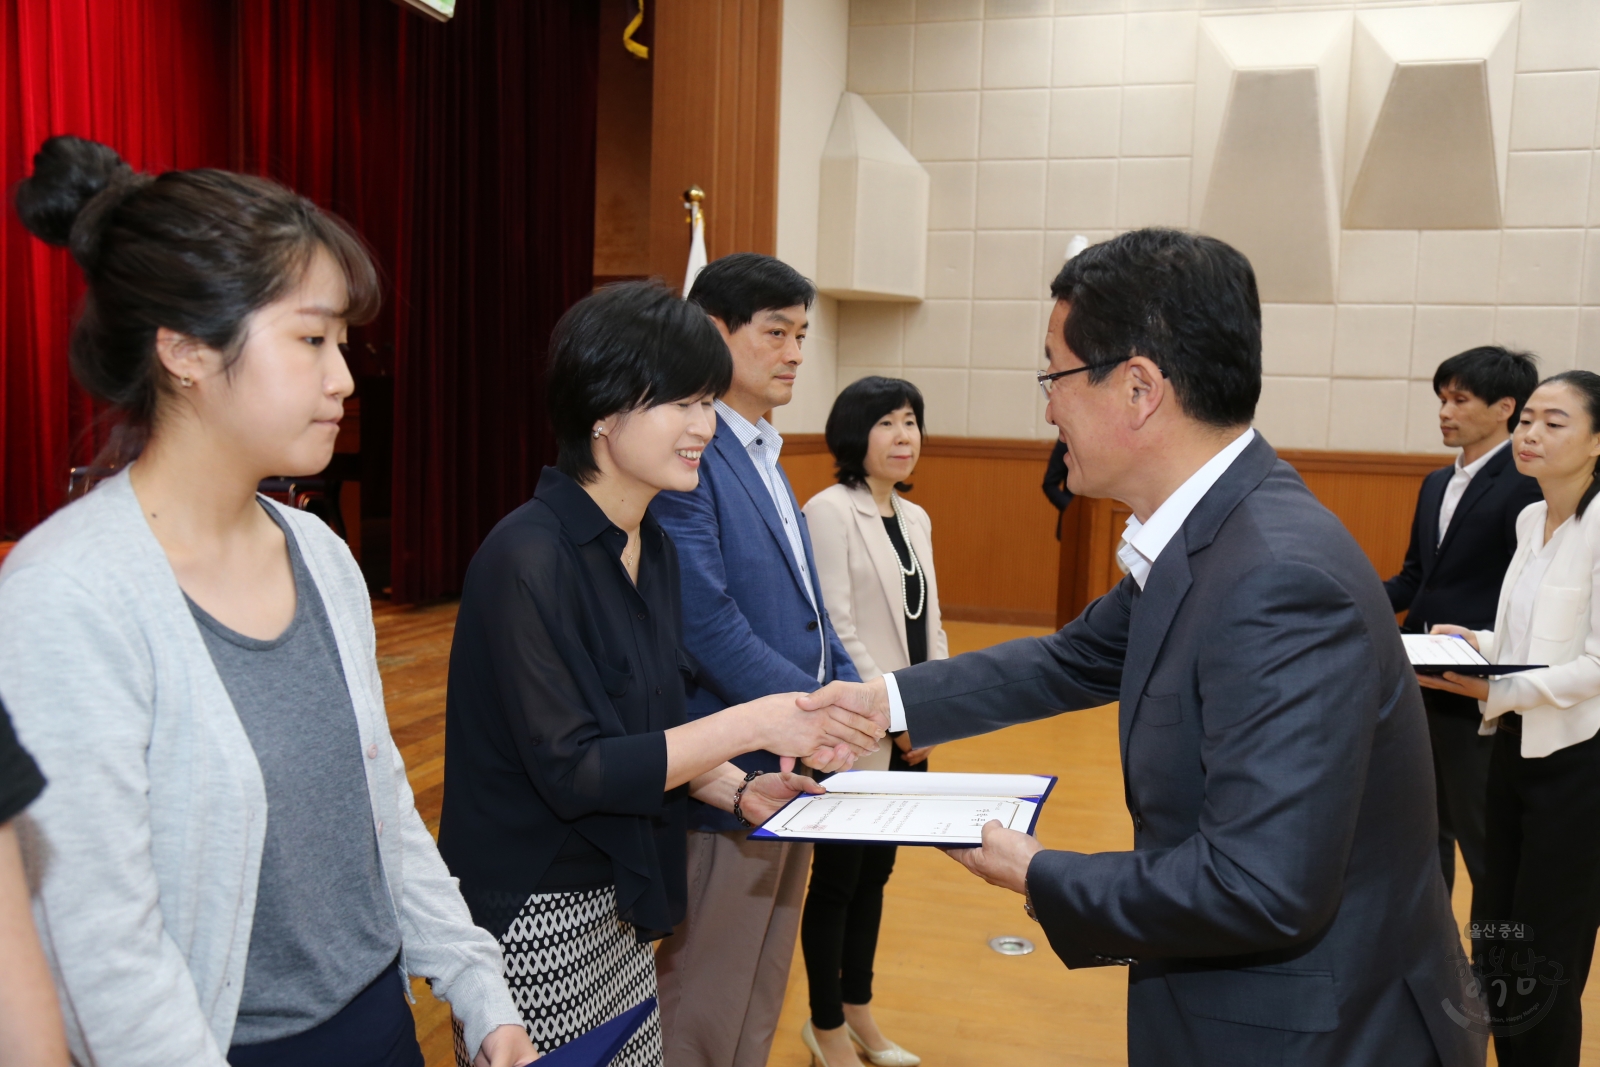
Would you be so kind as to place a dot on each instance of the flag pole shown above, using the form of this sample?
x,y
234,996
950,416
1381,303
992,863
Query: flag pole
x,y
693,198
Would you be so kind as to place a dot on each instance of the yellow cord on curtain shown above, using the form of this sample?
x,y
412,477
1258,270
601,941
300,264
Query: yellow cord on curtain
x,y
633,27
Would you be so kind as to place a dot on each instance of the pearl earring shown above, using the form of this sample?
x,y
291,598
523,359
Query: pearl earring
x,y
597,432
186,381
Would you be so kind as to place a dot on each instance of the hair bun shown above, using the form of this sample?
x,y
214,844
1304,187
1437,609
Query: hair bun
x,y
68,173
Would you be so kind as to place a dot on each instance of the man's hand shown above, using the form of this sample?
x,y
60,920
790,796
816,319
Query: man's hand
x,y
869,699
506,1046
1002,859
766,795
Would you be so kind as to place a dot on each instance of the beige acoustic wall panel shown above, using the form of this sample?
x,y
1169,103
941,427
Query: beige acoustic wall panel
x,y
872,227
1430,117
1270,103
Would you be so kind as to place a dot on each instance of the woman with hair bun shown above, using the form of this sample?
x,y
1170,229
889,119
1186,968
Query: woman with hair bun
x,y
1535,915
229,864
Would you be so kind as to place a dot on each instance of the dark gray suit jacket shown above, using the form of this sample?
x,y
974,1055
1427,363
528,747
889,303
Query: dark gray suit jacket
x,y
1283,900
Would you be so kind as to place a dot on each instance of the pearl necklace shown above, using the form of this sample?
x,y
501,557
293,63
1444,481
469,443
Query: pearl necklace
x,y
914,569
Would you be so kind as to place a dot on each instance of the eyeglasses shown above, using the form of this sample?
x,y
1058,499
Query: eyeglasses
x,y
1047,381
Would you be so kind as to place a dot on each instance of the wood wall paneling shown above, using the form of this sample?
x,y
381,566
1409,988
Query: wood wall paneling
x,y
714,123
1373,494
622,154
994,544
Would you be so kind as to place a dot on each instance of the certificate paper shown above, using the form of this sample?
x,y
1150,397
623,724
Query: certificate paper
x,y
910,808
1437,653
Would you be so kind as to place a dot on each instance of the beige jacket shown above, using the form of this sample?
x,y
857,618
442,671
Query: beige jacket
x,y
860,577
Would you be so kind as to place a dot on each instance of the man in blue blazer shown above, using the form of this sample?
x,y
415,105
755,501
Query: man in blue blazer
x,y
1463,536
1282,903
754,619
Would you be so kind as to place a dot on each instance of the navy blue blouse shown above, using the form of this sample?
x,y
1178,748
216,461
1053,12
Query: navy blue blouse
x,y
564,677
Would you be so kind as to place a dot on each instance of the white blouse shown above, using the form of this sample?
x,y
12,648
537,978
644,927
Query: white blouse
x,y
1519,609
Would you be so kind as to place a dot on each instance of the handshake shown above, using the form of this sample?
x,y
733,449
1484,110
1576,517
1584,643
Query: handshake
x,y
827,730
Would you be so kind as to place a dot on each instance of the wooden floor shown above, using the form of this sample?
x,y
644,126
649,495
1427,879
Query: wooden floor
x,y
940,991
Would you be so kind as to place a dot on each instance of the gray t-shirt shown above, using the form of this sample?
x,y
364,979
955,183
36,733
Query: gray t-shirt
x,y
324,926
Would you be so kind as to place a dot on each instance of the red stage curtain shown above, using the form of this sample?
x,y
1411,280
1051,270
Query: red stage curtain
x,y
462,152
144,76
503,232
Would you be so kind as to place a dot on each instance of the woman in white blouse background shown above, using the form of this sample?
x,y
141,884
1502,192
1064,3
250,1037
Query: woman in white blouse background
x,y
874,552
1543,847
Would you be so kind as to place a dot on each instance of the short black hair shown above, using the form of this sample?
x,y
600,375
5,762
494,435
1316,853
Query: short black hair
x,y
1187,303
1491,374
622,347
855,411
739,287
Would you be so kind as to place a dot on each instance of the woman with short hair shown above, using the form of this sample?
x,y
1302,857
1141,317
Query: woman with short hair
x,y
568,760
231,869
874,553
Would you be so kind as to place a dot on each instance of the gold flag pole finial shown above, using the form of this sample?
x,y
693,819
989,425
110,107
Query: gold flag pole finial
x,y
628,42
692,198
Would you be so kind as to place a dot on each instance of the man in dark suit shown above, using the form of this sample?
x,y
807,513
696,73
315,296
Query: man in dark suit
x,y
1462,539
755,621
1282,903
1055,483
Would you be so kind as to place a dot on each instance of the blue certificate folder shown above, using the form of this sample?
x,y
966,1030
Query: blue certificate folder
x,y
910,808
600,1046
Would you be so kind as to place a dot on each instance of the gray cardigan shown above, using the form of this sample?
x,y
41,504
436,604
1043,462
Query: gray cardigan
x,y
145,848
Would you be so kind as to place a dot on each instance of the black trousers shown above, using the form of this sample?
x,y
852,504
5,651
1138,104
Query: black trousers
x,y
839,927
1543,873
1461,777
376,1029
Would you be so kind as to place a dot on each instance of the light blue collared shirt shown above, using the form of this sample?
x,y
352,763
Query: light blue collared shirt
x,y
764,444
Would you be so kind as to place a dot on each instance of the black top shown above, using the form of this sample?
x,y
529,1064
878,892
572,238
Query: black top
x,y
916,629
564,678
1458,580
20,780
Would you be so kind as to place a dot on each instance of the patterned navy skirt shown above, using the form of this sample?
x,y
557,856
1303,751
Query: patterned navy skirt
x,y
572,965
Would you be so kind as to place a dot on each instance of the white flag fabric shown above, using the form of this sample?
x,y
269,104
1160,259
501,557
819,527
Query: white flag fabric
x,y
697,252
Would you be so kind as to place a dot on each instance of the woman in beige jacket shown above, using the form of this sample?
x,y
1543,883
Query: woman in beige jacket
x,y
874,553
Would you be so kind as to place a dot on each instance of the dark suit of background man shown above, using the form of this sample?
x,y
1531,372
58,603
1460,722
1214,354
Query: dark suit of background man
x,y
1055,483
1462,539
1282,903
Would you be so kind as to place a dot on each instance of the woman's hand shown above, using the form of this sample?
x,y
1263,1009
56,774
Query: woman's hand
x,y
787,729
913,756
1459,631
765,796
1451,682
506,1046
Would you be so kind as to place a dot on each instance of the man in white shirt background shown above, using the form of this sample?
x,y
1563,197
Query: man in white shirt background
x,y
1282,901
755,623
1462,539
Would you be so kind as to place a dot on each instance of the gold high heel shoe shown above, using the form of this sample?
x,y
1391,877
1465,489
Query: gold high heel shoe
x,y
893,1056
809,1036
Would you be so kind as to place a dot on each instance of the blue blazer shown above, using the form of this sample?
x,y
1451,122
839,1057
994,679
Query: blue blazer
x,y
746,617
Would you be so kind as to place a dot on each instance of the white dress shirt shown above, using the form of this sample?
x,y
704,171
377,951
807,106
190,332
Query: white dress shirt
x,y
1142,542
764,444
1519,608
1458,486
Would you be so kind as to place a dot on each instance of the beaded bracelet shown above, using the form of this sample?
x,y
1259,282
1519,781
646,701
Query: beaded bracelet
x,y
738,797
